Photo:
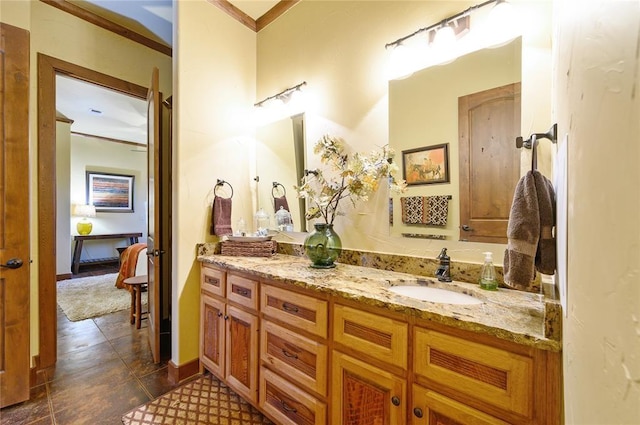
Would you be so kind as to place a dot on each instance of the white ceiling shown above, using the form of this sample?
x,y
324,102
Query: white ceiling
x,y
123,117
102,112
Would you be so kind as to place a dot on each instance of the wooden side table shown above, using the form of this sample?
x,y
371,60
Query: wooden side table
x,y
79,241
138,284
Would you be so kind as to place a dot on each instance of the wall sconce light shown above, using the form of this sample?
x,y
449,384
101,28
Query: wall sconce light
x,y
286,103
441,39
84,226
284,97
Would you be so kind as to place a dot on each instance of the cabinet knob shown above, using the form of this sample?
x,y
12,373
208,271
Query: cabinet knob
x,y
395,400
219,314
418,412
226,317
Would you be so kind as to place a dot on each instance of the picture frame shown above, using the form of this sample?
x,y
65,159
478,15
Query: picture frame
x,y
426,165
110,192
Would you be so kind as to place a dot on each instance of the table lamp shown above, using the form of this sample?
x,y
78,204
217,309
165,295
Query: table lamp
x,y
84,226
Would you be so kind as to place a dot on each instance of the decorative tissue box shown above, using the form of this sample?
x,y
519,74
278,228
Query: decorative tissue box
x,y
248,247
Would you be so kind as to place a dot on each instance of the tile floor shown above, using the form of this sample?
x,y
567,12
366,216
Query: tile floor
x,y
104,370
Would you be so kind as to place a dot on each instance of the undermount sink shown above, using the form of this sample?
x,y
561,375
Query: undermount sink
x,y
436,295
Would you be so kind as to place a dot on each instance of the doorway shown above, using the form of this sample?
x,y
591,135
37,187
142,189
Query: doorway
x,y
48,68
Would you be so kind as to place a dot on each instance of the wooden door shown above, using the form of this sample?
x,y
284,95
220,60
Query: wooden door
x,y
14,215
488,124
212,335
366,395
158,238
242,353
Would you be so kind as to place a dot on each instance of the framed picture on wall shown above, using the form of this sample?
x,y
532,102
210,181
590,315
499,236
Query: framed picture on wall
x,y
110,192
426,165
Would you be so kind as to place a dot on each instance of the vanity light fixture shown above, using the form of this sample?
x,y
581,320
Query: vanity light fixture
x,y
283,97
440,38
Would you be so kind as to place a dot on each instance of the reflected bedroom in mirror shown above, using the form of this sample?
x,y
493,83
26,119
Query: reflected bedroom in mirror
x,y
280,166
453,128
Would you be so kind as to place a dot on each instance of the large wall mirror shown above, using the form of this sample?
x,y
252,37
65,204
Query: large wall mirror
x,y
280,165
424,117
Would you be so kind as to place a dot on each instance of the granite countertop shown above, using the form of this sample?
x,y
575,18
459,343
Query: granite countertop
x,y
507,314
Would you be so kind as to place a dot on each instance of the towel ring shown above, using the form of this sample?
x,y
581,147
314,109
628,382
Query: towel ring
x,y
222,183
275,187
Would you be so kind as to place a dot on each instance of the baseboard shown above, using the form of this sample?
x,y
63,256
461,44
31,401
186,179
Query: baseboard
x,y
180,373
33,372
65,276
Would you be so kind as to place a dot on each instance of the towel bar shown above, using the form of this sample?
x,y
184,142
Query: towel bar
x,y
222,183
532,143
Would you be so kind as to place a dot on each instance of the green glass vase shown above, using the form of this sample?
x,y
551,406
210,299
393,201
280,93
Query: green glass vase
x,y
323,246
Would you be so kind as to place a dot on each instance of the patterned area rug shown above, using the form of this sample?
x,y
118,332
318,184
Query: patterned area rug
x,y
203,401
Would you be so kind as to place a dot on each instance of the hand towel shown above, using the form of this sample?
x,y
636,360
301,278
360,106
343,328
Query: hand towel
x,y
413,209
530,242
546,254
438,210
431,210
280,201
221,216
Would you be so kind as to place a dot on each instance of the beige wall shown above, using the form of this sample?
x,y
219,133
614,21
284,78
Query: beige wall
x,y
214,82
60,35
598,108
338,48
93,154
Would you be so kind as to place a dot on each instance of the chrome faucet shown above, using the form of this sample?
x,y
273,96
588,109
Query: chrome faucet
x,y
443,272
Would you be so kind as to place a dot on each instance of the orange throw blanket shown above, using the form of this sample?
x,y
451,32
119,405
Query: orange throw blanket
x,y
128,262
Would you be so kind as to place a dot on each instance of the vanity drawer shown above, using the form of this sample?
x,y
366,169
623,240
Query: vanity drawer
x,y
242,290
288,404
301,311
298,358
488,374
377,336
212,280
431,408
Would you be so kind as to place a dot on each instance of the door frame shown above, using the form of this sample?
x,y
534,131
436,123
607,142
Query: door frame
x,y
48,67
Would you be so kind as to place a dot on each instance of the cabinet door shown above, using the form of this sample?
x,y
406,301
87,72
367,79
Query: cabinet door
x,y
242,353
431,408
212,334
365,395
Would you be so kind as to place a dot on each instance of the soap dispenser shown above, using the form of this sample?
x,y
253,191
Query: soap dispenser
x,y
488,279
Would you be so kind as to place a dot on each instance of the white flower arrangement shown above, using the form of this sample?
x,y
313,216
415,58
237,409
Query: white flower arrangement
x,y
354,177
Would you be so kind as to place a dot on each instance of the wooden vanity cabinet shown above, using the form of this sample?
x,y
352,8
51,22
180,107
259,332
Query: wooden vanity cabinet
x,y
312,359
293,352
229,330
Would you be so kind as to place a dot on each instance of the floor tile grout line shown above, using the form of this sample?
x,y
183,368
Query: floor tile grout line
x,y
131,371
50,403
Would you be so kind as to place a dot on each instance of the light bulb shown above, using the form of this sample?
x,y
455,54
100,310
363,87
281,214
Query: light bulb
x,y
400,62
502,24
443,49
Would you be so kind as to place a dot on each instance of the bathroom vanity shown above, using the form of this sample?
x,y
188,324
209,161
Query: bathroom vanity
x,y
336,346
